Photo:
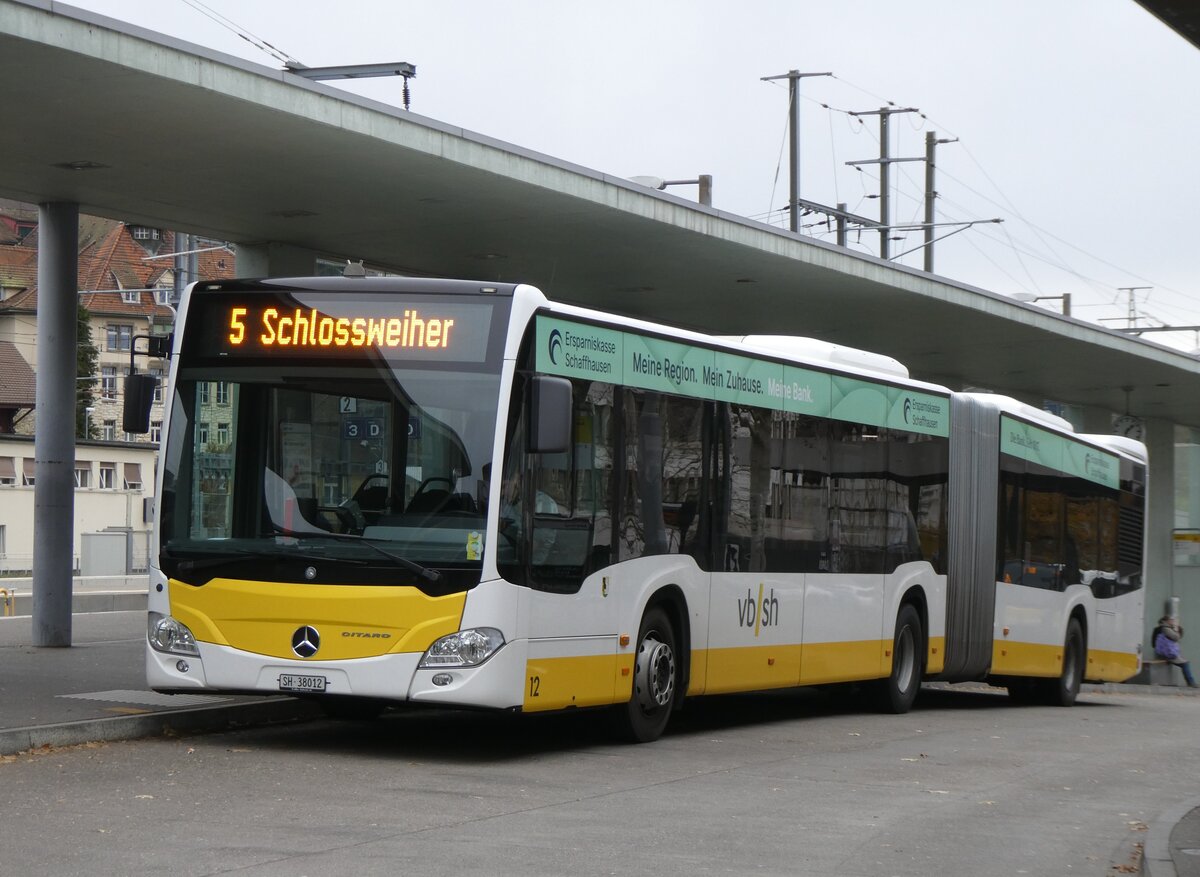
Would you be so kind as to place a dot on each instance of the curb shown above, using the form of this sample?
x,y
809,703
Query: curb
x,y
1156,858
183,721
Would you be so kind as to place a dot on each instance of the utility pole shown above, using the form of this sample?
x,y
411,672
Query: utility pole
x,y
884,161
1132,290
794,77
930,197
931,142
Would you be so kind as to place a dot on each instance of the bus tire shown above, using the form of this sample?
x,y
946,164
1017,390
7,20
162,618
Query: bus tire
x,y
655,681
900,689
1063,690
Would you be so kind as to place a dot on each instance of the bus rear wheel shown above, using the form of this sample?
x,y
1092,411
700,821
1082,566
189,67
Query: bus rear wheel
x,y
1063,690
655,678
900,689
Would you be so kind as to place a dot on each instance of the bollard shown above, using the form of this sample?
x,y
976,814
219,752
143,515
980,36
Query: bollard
x,y
8,598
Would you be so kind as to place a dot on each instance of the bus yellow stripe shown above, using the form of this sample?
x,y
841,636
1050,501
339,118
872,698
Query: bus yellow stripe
x,y
1107,666
935,659
1037,659
1026,659
752,668
581,680
845,661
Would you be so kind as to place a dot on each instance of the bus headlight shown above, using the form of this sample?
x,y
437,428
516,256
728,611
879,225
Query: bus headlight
x,y
168,635
466,648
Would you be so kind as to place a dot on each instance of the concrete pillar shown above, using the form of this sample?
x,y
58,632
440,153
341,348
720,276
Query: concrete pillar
x,y
272,259
1160,524
54,443
1186,579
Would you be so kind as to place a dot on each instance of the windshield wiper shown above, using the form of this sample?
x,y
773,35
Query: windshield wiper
x,y
232,556
430,575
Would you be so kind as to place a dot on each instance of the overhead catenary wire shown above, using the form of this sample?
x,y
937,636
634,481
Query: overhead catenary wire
x,y
1042,248
232,26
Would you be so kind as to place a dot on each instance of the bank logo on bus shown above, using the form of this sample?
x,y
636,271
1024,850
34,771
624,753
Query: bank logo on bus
x,y
923,413
1098,467
555,345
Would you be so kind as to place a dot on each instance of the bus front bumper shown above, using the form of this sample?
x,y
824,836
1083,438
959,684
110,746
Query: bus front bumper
x,y
496,683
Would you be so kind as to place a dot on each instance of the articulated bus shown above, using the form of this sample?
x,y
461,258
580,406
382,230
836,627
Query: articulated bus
x,y
385,490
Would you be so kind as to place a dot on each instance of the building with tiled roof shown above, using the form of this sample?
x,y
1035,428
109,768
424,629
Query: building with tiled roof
x,y
16,386
126,281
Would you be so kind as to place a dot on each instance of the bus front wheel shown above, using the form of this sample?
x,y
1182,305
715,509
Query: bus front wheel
x,y
655,678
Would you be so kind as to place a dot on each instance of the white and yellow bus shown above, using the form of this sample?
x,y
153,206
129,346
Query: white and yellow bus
x,y
382,490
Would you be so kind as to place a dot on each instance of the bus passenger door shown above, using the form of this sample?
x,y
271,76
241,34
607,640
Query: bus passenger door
x,y
757,595
846,636
573,624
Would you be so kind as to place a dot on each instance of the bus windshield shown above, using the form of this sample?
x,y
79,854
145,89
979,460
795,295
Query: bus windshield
x,y
358,468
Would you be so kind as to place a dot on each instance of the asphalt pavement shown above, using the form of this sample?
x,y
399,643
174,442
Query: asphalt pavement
x,y
95,691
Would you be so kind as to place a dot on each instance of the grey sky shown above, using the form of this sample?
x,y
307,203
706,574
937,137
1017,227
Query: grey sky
x,y
1075,116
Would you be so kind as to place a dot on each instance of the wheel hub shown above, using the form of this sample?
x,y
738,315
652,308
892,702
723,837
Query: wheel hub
x,y
654,674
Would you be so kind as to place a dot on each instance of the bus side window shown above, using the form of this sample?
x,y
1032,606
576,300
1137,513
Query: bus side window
x,y
571,519
664,465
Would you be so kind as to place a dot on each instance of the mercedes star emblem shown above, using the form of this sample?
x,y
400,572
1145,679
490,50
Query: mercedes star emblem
x,y
306,641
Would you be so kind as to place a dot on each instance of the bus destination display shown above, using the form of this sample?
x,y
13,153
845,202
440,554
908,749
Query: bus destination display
x,y
303,325
311,328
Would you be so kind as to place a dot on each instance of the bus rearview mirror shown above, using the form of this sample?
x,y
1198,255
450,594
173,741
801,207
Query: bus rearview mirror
x,y
549,415
139,397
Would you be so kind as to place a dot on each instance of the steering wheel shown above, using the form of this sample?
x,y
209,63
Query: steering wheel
x,y
349,517
423,490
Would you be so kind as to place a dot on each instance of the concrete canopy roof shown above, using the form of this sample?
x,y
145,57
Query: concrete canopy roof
x,y
189,139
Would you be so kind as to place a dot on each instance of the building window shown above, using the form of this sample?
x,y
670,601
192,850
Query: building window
x,y
205,393
120,336
156,431
108,476
108,382
222,433
133,476
109,432
158,383
131,297
8,472
83,475
202,434
222,393
144,233
27,467
162,295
